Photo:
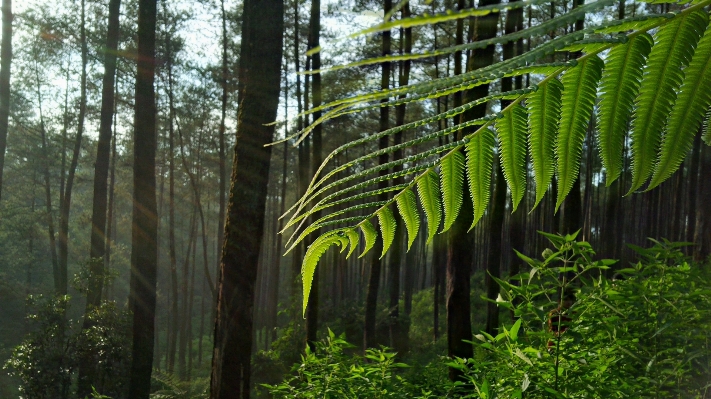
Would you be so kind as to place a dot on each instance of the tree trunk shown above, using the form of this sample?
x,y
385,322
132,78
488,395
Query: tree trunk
x,y
371,299
702,235
398,340
101,172
144,232
65,204
260,69
314,33
6,60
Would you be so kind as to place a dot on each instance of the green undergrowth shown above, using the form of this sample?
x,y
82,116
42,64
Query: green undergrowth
x,y
641,331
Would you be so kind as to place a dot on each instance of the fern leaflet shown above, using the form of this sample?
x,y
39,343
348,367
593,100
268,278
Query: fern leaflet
x,y
544,111
452,182
675,44
480,160
387,223
311,258
688,113
620,85
579,89
428,190
513,129
407,206
370,235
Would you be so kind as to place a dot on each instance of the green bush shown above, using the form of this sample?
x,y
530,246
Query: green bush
x,y
642,334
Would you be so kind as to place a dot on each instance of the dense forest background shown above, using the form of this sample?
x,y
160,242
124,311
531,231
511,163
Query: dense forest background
x,y
66,284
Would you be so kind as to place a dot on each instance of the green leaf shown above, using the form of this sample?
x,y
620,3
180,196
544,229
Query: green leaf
x,y
452,181
311,258
370,235
407,206
619,85
688,113
675,43
544,112
387,223
480,160
514,329
513,129
354,239
428,191
579,90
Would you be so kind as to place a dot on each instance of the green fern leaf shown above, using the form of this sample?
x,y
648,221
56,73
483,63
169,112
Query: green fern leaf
x,y
513,129
354,239
688,113
428,191
387,223
480,160
452,181
407,206
311,258
620,84
544,112
370,235
579,90
675,43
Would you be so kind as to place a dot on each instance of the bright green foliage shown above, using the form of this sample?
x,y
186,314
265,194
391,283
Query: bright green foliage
x,y
619,85
579,89
544,111
637,76
428,190
480,160
674,47
407,206
387,223
452,181
312,256
353,239
370,235
513,129
688,113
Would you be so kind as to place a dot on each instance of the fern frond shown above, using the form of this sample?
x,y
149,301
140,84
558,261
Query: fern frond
x,y
513,129
353,239
579,89
620,85
388,224
428,191
480,160
452,182
638,22
688,113
675,44
369,234
311,258
407,206
544,112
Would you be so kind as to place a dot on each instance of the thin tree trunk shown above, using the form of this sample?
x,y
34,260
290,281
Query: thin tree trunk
x,y
702,234
182,348
110,211
398,340
314,33
371,299
144,232
260,69
65,204
6,60
173,341
101,172
223,149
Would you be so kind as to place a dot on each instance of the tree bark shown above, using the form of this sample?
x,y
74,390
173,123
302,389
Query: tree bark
x,y
398,340
371,299
6,60
702,235
260,69
65,203
144,232
101,172
317,158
